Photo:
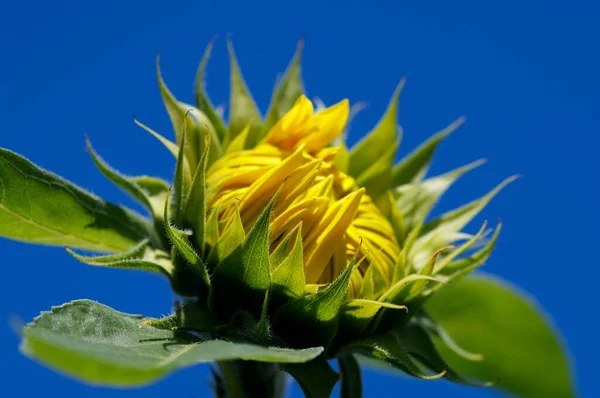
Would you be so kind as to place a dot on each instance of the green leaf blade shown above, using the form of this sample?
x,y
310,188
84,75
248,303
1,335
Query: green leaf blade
x,y
100,346
37,206
517,342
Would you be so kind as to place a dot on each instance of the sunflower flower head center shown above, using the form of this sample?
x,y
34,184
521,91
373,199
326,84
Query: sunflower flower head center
x,y
335,217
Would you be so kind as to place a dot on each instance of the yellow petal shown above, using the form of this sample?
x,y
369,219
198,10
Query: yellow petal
x,y
326,126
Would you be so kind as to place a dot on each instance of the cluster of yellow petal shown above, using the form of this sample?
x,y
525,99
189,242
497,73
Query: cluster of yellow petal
x,y
335,217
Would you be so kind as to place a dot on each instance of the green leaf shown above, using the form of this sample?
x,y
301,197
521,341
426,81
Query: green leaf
x,y
379,140
313,319
485,315
414,166
140,256
286,91
316,378
288,277
351,377
242,279
203,102
151,192
243,109
100,346
415,201
37,206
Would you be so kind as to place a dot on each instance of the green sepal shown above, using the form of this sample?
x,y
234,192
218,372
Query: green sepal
x,y
376,178
194,214
100,346
181,184
286,92
188,317
356,315
190,122
197,276
342,157
288,277
414,166
243,110
316,378
351,377
151,192
377,142
446,228
415,201
390,349
241,280
517,341
459,269
233,237
313,319
140,256
284,247
40,207
170,145
203,102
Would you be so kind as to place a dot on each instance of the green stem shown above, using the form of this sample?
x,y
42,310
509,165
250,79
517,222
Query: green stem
x,y
249,379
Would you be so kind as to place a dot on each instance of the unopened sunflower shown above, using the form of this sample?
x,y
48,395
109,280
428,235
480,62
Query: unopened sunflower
x,y
287,249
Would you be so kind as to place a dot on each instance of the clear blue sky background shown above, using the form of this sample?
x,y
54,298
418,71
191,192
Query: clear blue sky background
x,y
525,74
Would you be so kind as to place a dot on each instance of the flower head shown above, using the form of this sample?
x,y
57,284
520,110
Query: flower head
x,y
334,217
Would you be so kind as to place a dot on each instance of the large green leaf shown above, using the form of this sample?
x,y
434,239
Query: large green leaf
x,y
99,345
519,345
39,207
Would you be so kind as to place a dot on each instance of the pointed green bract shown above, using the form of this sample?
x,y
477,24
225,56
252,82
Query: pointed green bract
x,y
446,228
415,201
101,346
151,192
189,121
233,237
376,178
357,314
313,319
40,207
459,269
194,214
286,92
316,378
414,166
243,110
288,277
140,257
203,102
246,270
170,145
485,315
379,140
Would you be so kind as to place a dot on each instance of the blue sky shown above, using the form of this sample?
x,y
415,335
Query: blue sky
x,y
524,74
